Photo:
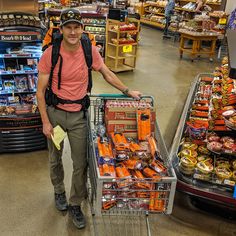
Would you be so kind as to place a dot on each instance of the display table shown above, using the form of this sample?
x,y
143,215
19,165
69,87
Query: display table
x,y
196,48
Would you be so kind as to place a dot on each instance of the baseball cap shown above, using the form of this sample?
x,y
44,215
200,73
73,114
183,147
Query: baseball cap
x,y
70,15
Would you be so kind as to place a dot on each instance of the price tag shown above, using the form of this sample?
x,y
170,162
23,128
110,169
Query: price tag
x,y
127,48
222,21
229,182
234,196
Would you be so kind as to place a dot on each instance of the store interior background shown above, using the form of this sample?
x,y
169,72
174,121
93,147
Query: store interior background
x,y
26,202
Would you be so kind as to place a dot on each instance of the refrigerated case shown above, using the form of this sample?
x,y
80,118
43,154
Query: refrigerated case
x,y
207,187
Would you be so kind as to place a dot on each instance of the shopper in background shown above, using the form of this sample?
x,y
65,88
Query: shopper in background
x,y
169,11
74,83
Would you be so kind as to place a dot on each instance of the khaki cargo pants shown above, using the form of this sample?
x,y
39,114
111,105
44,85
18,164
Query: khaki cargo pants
x,y
75,125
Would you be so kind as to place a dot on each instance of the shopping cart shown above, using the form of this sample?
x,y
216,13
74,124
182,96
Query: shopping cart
x,y
123,210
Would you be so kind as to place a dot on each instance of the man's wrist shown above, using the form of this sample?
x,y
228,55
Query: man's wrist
x,y
126,91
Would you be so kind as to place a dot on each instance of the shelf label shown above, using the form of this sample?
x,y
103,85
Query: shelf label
x,y
222,21
17,38
229,182
234,196
127,48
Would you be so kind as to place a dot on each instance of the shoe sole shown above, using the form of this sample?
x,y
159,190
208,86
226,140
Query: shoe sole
x,y
62,208
79,226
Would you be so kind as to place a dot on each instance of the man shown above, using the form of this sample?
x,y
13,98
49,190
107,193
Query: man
x,y
169,10
73,86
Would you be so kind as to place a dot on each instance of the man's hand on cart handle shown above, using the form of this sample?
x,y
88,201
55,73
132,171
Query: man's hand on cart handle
x,y
47,130
134,94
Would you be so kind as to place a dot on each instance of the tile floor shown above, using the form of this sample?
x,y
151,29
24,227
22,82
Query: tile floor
x,y
26,198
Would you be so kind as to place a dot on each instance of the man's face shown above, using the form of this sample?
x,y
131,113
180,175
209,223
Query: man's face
x,y
72,33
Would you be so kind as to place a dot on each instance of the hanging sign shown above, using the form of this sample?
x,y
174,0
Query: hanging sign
x,y
127,48
6,37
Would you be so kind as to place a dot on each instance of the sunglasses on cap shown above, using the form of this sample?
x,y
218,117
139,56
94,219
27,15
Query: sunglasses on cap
x,y
71,15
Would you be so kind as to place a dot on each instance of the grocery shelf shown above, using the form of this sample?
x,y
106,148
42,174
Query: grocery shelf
x,y
122,57
156,13
153,23
183,9
121,45
123,31
18,72
25,55
121,68
208,3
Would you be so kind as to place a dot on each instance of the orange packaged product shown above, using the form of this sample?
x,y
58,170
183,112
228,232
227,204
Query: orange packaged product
x,y
158,167
159,204
119,141
104,149
134,147
152,146
106,205
149,173
144,124
140,183
152,201
122,171
108,170
133,164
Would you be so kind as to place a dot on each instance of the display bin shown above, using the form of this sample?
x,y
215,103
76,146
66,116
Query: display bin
x,y
128,201
211,190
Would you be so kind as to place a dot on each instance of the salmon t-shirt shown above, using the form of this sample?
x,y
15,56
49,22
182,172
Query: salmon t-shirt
x,y
74,74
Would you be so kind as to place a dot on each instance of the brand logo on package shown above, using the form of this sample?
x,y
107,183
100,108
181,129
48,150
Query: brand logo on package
x,y
17,38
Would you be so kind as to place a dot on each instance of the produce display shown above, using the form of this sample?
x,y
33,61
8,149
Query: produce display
x,y
208,148
124,27
129,159
19,19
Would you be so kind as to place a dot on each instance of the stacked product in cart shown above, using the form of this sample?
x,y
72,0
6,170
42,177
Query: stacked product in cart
x,y
204,152
20,123
130,164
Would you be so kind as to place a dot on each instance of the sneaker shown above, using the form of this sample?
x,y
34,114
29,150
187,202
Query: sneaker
x,y
61,202
77,216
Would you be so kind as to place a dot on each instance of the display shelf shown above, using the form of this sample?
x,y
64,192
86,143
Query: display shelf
x,y
16,91
25,55
121,56
18,72
146,21
124,31
121,68
211,188
208,3
184,9
20,122
121,45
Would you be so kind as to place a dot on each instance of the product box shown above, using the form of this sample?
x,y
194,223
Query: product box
x,y
124,126
123,113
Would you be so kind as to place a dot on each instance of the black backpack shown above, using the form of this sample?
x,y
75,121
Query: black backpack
x,y
51,98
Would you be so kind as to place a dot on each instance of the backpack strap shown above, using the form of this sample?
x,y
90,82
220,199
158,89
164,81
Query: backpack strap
x,y
87,48
54,58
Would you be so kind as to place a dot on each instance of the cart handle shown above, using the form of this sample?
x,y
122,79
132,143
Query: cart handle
x,y
118,95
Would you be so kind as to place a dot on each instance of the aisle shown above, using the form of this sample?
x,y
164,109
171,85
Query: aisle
x,y
26,202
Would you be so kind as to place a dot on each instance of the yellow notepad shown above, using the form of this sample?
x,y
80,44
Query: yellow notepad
x,y
58,136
